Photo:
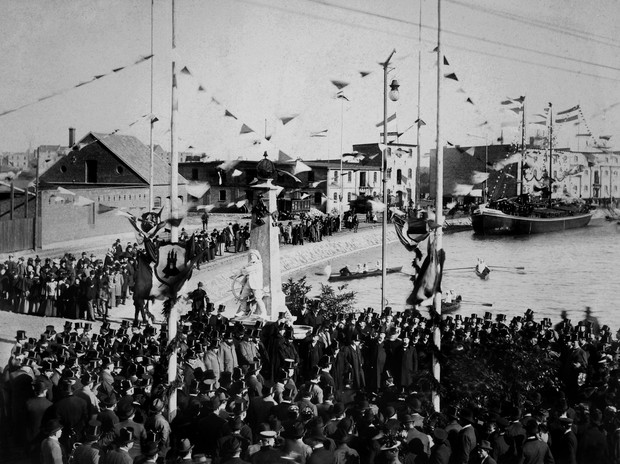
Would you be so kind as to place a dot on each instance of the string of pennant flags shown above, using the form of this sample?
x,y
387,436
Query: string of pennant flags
x,y
95,78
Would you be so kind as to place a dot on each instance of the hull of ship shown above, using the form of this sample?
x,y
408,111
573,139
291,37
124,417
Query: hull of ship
x,y
497,223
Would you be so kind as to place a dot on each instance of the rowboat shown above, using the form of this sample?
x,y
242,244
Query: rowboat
x,y
449,308
360,275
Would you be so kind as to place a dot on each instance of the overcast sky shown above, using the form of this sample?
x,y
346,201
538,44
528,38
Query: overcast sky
x,y
267,59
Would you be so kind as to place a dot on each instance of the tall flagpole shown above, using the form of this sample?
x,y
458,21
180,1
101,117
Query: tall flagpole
x,y
152,169
174,229
418,154
384,153
438,211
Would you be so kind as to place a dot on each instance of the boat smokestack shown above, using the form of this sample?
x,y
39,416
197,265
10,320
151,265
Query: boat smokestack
x,y
71,136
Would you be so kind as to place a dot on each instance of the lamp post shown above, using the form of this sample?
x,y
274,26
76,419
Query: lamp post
x,y
393,95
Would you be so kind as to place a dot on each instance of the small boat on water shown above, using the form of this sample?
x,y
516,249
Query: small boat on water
x,y
452,307
484,273
360,275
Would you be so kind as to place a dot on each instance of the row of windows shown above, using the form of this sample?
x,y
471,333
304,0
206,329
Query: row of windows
x,y
124,197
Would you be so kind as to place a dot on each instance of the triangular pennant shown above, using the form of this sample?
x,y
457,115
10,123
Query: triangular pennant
x,y
245,129
364,73
154,119
118,69
507,102
283,157
186,71
469,101
434,50
201,88
286,119
229,114
339,84
420,122
445,61
99,76
451,76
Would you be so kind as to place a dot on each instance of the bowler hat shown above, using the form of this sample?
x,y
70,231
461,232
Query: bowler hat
x,y
184,446
52,426
485,445
440,435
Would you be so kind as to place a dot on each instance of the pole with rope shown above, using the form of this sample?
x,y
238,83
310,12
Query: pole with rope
x,y
438,215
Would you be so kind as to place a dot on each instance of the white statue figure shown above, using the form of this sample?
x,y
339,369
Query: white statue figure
x,y
253,283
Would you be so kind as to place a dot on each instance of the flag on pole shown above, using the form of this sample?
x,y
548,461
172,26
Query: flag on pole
x,y
389,119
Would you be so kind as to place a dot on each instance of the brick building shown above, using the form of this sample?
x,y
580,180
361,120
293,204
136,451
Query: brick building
x,y
103,173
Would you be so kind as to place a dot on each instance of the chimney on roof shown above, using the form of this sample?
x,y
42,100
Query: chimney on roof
x,y
71,136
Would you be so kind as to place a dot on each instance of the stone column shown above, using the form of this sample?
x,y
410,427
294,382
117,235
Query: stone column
x,y
264,238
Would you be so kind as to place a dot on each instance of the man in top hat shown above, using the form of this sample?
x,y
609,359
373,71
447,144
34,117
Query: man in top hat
x,y
72,412
35,410
260,406
120,453
157,423
149,455
52,451
126,413
211,426
89,452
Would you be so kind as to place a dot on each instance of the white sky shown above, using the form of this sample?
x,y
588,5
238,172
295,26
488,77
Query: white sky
x,y
264,59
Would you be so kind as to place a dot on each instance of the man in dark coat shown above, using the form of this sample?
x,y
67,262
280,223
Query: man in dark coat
x,y
211,428
466,440
353,357
376,362
36,409
535,451
565,447
72,412
440,451
408,361
592,447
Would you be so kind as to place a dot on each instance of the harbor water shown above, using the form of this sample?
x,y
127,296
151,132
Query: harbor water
x,y
562,271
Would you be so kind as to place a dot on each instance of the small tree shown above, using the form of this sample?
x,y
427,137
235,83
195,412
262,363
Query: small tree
x,y
295,293
336,302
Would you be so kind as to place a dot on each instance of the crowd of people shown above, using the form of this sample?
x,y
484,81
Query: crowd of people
x,y
87,287
347,392
308,229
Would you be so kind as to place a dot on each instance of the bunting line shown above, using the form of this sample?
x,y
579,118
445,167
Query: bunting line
x,y
79,84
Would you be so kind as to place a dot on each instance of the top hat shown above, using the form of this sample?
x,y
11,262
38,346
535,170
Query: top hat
x,y
92,431
221,308
125,436
289,363
467,415
21,335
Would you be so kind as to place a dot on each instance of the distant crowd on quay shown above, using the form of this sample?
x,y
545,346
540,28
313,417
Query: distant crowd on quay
x,y
356,389
86,287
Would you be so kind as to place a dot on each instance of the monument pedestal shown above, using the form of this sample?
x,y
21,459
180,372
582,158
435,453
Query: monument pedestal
x,y
264,238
